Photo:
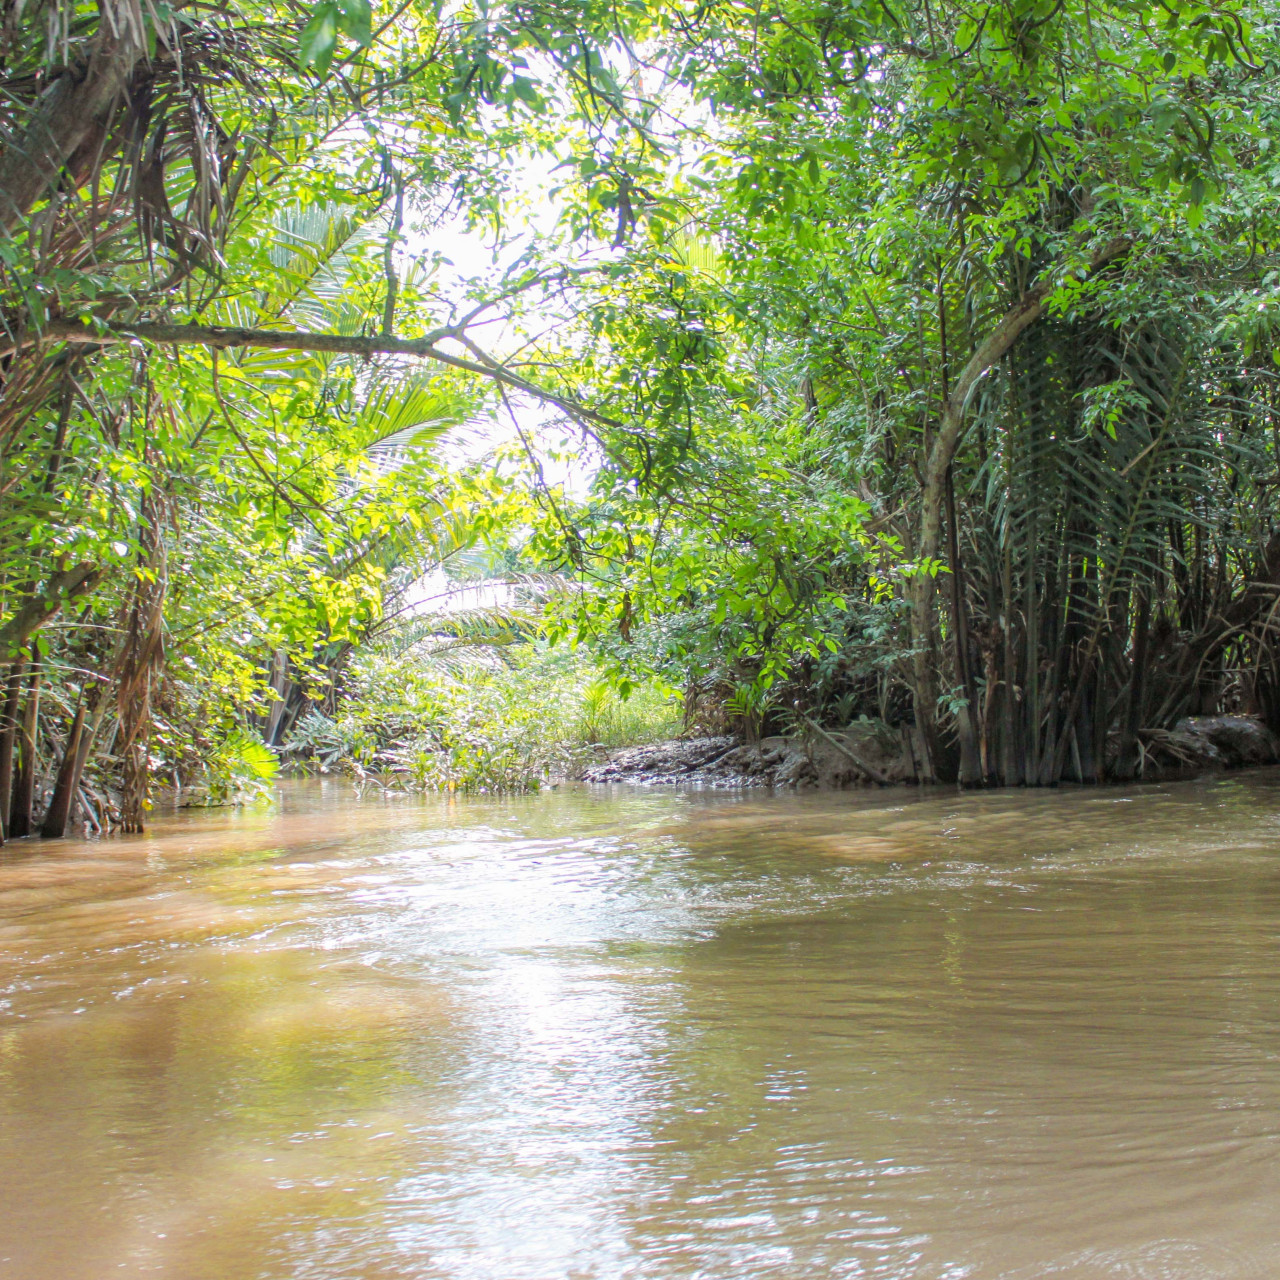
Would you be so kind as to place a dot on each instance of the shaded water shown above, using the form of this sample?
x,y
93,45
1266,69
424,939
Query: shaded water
x,y
650,1035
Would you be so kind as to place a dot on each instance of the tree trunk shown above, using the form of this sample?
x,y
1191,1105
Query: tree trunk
x,y
1011,758
67,137
8,733
142,658
970,758
24,782
38,607
1031,769
1127,758
58,813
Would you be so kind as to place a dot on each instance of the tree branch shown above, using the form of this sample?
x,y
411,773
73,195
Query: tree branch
x,y
64,586
874,774
220,338
1024,313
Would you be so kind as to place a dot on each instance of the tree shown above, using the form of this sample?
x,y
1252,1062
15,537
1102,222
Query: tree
x,y
923,222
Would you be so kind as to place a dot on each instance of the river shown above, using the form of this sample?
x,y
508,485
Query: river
x,y
650,1034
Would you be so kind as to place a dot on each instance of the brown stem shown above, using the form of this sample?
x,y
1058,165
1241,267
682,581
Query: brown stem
x,y
970,760
64,789
1011,756
24,781
389,262
8,733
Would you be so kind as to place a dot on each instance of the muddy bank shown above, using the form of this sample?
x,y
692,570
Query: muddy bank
x,y
871,753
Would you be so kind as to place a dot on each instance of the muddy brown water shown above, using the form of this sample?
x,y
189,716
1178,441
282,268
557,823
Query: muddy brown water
x,y
650,1034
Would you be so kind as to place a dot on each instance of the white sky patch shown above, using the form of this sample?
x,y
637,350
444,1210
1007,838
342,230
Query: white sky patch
x,y
475,261
434,593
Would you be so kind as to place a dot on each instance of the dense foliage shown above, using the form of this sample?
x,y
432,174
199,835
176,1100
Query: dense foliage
x,y
409,723
1009,287
914,361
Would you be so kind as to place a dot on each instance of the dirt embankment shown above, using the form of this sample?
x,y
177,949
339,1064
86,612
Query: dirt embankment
x,y
871,753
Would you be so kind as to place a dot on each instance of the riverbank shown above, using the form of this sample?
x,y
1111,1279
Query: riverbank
x,y
871,753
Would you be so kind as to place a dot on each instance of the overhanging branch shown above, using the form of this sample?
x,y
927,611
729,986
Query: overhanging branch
x,y
41,604
218,337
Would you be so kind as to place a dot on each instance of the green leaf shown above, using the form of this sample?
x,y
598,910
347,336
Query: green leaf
x,y
524,89
319,38
355,19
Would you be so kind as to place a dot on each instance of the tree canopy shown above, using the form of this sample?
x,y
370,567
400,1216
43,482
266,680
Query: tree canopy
x,y
910,360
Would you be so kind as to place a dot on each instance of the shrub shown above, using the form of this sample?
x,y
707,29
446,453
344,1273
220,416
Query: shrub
x,y
493,724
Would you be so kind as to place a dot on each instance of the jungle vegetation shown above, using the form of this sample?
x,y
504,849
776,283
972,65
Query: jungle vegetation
x,y
907,358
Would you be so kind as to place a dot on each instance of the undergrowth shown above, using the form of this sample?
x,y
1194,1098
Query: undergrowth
x,y
505,724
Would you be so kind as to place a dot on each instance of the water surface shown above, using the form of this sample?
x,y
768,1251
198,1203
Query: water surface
x,y
650,1034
